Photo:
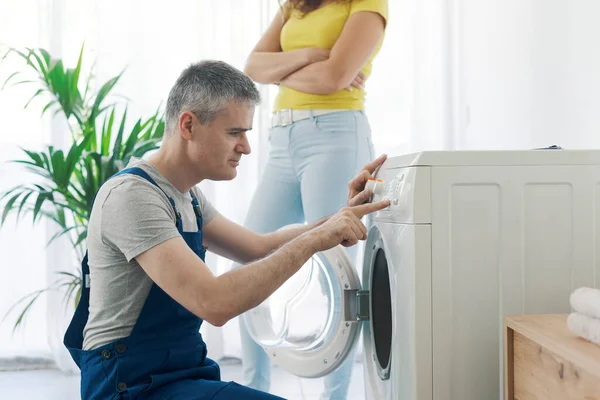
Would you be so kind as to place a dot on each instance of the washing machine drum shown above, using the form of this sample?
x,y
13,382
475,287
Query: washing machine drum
x,y
309,325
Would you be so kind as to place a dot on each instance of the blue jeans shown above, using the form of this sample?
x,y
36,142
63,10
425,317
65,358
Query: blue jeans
x,y
306,178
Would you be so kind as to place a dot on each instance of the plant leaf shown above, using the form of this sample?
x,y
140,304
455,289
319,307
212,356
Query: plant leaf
x,y
133,138
47,107
34,156
76,72
82,236
16,73
8,207
107,133
74,155
34,296
22,188
46,161
23,202
78,295
61,233
42,67
40,91
69,274
38,204
117,146
102,94
58,169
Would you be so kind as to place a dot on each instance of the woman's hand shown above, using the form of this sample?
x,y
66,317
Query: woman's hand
x,y
358,82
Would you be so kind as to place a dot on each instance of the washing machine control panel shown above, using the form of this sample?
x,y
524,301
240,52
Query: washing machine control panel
x,y
409,192
390,189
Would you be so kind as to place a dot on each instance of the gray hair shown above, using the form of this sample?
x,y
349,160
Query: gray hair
x,y
205,88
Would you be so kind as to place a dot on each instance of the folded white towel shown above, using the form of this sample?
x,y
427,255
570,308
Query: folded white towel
x,y
585,326
586,301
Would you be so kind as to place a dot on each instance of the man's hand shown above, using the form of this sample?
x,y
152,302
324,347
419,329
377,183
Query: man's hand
x,y
345,227
356,188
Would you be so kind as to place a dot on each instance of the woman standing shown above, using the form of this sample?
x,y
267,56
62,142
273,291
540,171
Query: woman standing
x,y
320,53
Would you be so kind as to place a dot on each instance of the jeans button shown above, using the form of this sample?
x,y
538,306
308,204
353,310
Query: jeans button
x,y
121,348
122,386
105,354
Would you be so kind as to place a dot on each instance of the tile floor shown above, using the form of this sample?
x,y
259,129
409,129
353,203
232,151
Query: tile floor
x,y
53,385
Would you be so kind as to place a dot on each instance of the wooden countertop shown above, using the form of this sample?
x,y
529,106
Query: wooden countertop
x,y
551,332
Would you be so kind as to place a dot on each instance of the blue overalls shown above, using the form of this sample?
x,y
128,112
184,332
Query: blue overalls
x,y
164,357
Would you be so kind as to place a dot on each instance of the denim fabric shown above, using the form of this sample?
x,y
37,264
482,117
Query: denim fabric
x,y
306,178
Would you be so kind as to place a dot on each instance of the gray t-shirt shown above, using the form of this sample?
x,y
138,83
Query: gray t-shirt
x,y
130,216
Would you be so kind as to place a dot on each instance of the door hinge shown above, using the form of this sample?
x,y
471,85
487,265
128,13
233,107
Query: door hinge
x,y
358,305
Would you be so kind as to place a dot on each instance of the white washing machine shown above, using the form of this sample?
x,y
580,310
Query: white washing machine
x,y
470,236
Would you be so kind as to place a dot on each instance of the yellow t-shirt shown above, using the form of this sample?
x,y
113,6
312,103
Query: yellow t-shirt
x,y
322,28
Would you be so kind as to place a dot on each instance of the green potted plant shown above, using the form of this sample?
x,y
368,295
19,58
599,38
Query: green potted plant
x,y
64,182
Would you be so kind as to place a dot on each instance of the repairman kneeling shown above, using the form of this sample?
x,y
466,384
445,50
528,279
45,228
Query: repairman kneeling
x,y
135,333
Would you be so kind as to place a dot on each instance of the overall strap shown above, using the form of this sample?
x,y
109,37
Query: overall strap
x,y
197,210
143,174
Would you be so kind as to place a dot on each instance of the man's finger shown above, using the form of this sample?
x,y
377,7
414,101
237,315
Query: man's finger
x,y
373,165
363,230
368,208
358,233
360,198
358,183
360,229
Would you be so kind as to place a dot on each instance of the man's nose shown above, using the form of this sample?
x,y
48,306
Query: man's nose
x,y
244,145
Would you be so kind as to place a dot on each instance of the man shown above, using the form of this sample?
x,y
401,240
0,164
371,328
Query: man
x,y
135,333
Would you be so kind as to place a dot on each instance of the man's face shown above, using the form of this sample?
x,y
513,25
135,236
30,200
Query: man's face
x,y
217,147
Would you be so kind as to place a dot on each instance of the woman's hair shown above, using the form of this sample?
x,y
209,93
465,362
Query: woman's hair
x,y
306,6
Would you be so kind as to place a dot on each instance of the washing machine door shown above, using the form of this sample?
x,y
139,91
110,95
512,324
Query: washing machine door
x,y
310,324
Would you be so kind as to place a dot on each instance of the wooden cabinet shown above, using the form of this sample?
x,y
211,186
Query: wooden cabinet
x,y
545,360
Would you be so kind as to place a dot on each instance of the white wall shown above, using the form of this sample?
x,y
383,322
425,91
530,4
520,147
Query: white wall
x,y
529,73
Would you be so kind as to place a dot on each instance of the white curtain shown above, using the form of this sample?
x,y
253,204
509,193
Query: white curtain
x,y
153,42
22,253
452,74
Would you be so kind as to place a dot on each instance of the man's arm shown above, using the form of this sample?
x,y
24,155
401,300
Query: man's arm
x,y
276,239
235,242
183,275
232,241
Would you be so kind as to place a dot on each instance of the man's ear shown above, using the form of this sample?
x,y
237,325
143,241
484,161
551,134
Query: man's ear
x,y
186,122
